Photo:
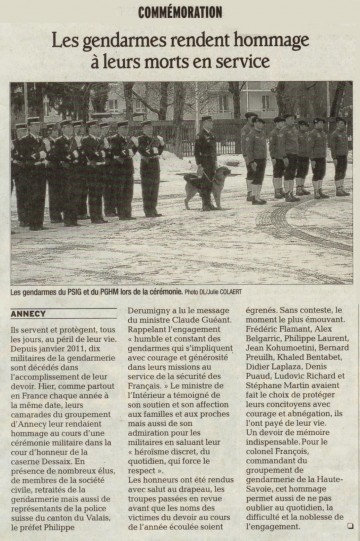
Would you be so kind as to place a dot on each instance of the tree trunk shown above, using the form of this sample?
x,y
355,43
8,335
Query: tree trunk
x,y
280,97
337,100
128,87
234,88
179,103
164,87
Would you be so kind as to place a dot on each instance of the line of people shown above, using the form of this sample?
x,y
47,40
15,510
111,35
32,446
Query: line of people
x,y
82,170
292,149
85,169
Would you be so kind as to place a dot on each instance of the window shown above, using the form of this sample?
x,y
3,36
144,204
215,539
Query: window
x,y
113,106
265,103
224,103
139,107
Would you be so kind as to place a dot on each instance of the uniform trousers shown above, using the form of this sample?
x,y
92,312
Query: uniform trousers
x,y
341,167
95,184
150,181
56,192
319,169
290,169
123,175
22,196
260,172
302,167
34,177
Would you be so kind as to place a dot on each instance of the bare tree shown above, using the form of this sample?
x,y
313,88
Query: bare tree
x,y
179,104
338,98
156,98
235,88
128,95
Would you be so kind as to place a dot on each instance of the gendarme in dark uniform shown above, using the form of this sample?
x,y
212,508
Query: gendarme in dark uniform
x,y
317,151
277,154
291,151
122,150
256,152
80,171
65,157
32,159
108,180
339,151
245,130
91,151
55,181
150,148
205,157
21,186
303,158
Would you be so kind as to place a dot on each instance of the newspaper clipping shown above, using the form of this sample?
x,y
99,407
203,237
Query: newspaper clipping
x,y
180,302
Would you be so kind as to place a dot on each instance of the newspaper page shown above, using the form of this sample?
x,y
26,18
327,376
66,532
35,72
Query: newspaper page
x,y
179,281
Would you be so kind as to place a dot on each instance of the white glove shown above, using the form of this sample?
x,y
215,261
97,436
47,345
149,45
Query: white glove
x,y
131,154
155,150
42,154
161,140
200,171
135,141
76,154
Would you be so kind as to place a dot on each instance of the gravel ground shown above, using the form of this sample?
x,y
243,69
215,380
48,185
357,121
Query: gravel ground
x,y
309,242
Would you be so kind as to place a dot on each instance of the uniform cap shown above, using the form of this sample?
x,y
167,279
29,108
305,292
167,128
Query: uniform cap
x,y
318,119
65,123
20,126
91,123
146,123
33,120
340,119
123,123
278,119
257,119
51,125
250,115
207,117
303,123
76,123
103,124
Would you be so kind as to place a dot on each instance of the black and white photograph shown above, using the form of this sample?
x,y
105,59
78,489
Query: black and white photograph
x,y
240,182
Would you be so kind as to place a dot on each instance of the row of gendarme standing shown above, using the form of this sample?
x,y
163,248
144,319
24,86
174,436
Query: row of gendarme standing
x,y
84,166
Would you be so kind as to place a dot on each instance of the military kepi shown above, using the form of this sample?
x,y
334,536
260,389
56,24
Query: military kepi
x,y
33,120
207,117
146,123
123,123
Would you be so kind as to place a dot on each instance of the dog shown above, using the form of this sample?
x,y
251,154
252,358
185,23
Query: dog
x,y
193,185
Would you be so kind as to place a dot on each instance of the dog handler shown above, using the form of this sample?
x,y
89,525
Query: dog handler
x,y
205,157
